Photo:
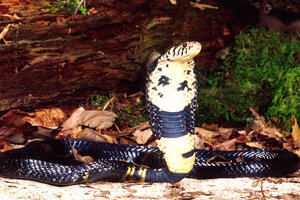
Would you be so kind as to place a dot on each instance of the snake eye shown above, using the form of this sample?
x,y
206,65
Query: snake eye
x,y
184,45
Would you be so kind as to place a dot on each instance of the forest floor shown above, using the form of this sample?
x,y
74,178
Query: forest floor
x,y
230,188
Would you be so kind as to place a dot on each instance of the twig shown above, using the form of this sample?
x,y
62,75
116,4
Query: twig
x,y
203,6
4,32
109,101
12,17
118,129
79,5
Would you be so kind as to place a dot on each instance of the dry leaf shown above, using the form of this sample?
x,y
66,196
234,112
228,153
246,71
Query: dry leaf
x,y
7,131
129,131
287,146
126,141
243,132
6,147
17,139
93,11
98,119
13,118
218,159
74,119
142,137
230,144
254,144
270,132
226,146
298,153
12,123
76,131
173,2
83,159
279,134
203,133
91,118
199,143
90,134
50,118
212,127
225,132
295,130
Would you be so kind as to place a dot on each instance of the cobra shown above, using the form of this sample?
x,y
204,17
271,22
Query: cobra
x,y
171,97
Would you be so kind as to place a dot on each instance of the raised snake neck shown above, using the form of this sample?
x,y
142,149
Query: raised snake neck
x,y
171,96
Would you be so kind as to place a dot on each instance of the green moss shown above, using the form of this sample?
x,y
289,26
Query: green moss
x,y
262,71
130,111
67,6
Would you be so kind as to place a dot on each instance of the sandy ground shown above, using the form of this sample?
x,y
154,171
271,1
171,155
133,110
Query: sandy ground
x,y
235,188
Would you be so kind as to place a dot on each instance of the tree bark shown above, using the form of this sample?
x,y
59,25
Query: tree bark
x,y
48,60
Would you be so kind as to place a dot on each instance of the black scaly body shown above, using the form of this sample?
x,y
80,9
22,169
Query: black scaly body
x,y
171,94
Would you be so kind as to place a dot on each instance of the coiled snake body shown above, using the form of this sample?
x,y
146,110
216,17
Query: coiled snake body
x,y
171,94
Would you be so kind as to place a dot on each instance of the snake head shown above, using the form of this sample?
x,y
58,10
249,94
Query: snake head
x,y
183,52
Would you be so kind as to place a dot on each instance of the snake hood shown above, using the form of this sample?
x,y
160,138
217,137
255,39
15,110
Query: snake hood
x,y
171,83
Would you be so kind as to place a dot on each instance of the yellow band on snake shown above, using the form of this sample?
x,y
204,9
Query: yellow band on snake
x,y
174,148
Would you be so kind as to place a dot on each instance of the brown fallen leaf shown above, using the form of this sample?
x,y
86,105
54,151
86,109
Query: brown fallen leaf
x,y
91,118
142,137
90,134
130,130
13,118
6,147
174,2
295,130
229,145
225,132
199,143
49,118
240,159
254,144
12,123
226,146
203,133
211,127
124,140
73,120
271,132
78,157
218,159
8,131
287,146
98,119
298,153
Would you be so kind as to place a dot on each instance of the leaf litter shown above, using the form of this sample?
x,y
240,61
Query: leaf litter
x,y
107,123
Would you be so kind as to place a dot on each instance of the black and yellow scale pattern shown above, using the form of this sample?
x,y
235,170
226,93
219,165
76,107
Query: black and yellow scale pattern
x,y
171,96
